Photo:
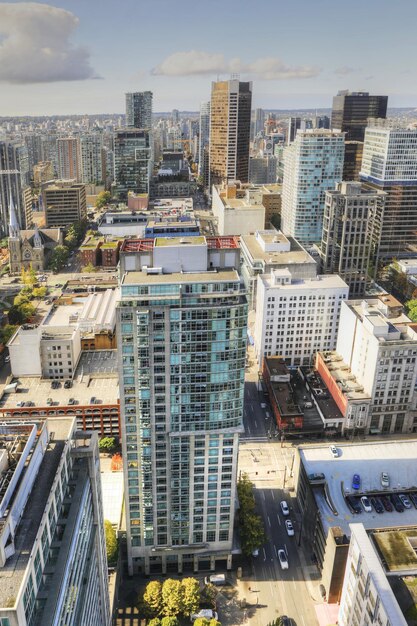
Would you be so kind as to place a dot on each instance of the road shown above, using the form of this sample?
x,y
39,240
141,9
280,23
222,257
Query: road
x,y
268,462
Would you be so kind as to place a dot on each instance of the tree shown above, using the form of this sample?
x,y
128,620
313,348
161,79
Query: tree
x,y
210,593
106,444
169,621
20,299
21,313
202,621
7,332
59,258
152,598
171,597
190,595
411,306
111,542
89,268
154,622
29,276
39,292
102,199
252,533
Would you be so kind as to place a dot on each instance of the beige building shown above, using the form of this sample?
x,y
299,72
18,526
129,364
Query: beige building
x,y
236,213
64,202
69,158
42,172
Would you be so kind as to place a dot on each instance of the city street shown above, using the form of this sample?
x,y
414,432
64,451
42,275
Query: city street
x,y
268,463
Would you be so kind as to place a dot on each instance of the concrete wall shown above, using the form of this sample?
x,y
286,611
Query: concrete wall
x,y
21,345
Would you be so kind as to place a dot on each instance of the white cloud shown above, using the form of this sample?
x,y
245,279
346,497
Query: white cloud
x,y
35,45
195,62
344,70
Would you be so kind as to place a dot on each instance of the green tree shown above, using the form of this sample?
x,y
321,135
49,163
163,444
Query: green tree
x,y
111,542
107,444
39,292
88,268
152,598
210,593
411,307
204,621
102,199
20,299
245,494
59,258
28,276
171,597
252,533
169,621
19,314
154,622
190,595
7,332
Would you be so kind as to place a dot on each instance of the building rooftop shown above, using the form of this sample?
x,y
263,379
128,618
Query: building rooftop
x,y
137,245
326,281
138,278
295,254
369,460
166,242
342,375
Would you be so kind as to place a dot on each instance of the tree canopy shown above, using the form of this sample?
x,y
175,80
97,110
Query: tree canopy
x,y
252,533
111,542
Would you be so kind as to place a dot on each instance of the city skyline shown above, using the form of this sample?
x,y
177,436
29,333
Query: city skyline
x,y
56,57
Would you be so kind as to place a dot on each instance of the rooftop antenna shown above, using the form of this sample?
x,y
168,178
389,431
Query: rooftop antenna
x,y
234,76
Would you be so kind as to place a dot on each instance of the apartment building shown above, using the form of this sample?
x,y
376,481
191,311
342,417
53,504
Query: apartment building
x,y
236,212
64,203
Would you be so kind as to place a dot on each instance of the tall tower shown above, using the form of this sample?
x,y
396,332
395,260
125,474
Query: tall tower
x,y
69,159
182,323
313,163
230,117
139,109
92,158
14,172
204,139
132,161
351,110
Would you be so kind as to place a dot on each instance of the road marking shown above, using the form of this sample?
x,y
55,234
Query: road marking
x,y
272,591
251,407
279,519
272,494
286,549
256,424
264,554
303,620
263,495
269,521
276,551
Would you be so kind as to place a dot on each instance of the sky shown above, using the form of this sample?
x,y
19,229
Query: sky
x,y
82,56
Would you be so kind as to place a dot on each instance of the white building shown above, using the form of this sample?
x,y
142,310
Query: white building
x,y
93,167
235,213
313,163
378,345
367,596
297,318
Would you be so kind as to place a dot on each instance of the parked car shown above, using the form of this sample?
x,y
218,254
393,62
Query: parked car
x,y
354,504
334,452
215,579
406,502
283,561
387,504
384,479
92,400
356,481
289,527
71,401
377,504
284,508
316,477
413,498
255,552
7,359
396,501
49,401
204,613
68,384
366,504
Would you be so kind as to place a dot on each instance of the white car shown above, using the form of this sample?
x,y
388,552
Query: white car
x,y
204,613
289,527
284,508
406,502
384,479
366,504
283,561
334,452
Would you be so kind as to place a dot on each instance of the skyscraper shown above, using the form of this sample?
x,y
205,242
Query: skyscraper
x,y
139,109
389,164
92,158
230,117
259,122
14,178
313,163
64,203
351,111
182,323
351,232
132,161
204,139
69,159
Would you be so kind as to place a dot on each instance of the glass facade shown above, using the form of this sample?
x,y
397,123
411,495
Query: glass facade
x,y
132,162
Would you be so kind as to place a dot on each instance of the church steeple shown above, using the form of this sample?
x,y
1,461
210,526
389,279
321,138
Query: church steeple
x,y
37,241
14,229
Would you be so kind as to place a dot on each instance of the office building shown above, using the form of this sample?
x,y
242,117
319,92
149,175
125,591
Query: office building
x,y
236,212
263,170
313,164
33,143
14,183
49,150
294,124
351,231
64,203
132,162
42,172
53,565
204,140
295,318
389,164
69,158
353,160
230,118
139,109
182,326
93,167
259,122
351,111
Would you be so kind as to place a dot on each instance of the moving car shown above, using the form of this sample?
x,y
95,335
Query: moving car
x,y
406,502
204,613
289,527
396,501
283,561
377,504
284,508
387,504
384,479
356,481
334,452
354,504
366,504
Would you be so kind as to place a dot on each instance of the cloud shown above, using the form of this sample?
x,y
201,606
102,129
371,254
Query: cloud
x,y
196,62
35,45
345,69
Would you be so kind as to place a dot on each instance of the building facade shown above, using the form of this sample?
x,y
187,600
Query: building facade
x,y
182,324
351,111
139,109
64,203
14,181
69,158
236,212
132,162
204,141
352,223
313,164
93,166
230,120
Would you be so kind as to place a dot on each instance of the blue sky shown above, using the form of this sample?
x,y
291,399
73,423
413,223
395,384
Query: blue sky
x,y
81,56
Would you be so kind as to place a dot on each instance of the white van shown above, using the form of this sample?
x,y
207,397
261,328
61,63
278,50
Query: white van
x,y
215,579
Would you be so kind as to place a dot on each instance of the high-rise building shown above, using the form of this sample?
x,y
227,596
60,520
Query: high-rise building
x,y
204,139
92,159
53,564
351,231
313,163
353,160
230,117
139,109
69,159
64,203
132,161
33,144
14,180
263,170
49,150
351,111
259,122
42,172
294,124
389,164
182,324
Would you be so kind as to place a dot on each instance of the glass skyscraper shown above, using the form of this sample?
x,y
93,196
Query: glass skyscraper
x,y
139,109
132,162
